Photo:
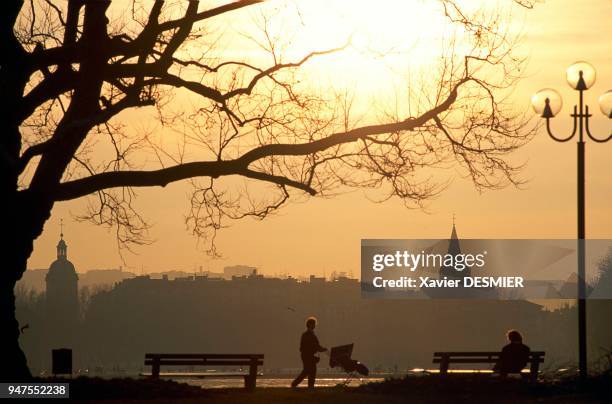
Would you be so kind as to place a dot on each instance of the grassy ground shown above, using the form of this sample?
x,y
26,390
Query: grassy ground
x,y
432,389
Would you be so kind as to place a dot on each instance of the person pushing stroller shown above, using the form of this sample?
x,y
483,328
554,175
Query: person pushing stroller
x,y
309,347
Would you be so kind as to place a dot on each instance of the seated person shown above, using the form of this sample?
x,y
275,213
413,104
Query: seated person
x,y
514,356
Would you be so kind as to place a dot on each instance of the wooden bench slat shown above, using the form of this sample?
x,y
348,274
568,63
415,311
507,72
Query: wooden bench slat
x,y
210,356
479,360
191,362
205,359
475,360
474,353
467,360
198,375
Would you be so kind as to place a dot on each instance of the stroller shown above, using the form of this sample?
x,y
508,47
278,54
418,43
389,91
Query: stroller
x,y
341,356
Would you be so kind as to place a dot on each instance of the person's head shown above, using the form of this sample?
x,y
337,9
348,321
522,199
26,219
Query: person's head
x,y
311,323
514,336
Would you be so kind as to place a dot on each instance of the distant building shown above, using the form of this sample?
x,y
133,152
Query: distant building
x,y
238,270
62,300
317,280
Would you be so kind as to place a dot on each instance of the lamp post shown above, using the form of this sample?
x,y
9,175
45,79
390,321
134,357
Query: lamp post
x,y
547,103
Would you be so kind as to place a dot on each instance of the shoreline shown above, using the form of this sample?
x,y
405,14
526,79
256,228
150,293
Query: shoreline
x,y
472,388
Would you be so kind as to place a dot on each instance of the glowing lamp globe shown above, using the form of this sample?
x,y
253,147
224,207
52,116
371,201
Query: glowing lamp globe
x,y
605,103
547,103
580,76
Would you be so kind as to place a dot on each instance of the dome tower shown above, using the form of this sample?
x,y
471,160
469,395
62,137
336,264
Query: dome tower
x,y
62,286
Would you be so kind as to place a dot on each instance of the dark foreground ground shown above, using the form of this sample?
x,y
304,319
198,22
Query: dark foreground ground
x,y
428,389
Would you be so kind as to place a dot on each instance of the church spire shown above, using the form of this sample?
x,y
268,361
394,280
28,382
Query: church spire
x,y
62,247
453,245
454,249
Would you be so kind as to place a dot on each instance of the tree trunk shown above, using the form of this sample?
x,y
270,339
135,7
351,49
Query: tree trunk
x,y
21,226
13,366
16,250
25,213
23,221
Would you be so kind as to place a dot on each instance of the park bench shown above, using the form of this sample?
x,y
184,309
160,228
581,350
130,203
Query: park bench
x,y
156,361
446,358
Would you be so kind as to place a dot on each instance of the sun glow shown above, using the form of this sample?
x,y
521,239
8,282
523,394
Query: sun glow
x,y
384,27
379,36
388,46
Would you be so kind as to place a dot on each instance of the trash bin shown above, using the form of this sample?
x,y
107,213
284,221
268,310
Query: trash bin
x,y
61,361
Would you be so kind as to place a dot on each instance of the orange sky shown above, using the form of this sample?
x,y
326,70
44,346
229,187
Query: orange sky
x,y
322,235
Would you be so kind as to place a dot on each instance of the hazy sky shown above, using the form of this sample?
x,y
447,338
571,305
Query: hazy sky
x,y
322,235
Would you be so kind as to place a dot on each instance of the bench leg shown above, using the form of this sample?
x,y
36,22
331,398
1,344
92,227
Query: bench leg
x,y
251,380
155,370
444,364
534,369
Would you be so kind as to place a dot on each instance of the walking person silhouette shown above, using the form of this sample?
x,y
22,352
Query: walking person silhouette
x,y
309,346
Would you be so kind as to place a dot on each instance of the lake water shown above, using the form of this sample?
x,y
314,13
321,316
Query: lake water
x,y
323,381
209,383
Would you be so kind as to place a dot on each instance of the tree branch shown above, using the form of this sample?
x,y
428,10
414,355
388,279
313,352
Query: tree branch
x,y
85,186
281,180
31,152
51,87
352,135
71,52
207,14
266,73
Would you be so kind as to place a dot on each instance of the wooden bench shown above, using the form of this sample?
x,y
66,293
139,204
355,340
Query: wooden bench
x,y
446,358
208,360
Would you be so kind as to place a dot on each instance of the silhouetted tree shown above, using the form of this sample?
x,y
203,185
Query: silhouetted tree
x,y
67,72
602,284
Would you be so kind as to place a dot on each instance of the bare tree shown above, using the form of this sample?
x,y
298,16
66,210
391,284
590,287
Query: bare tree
x,y
67,73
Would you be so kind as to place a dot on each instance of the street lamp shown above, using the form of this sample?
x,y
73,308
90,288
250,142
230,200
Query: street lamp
x,y
547,103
